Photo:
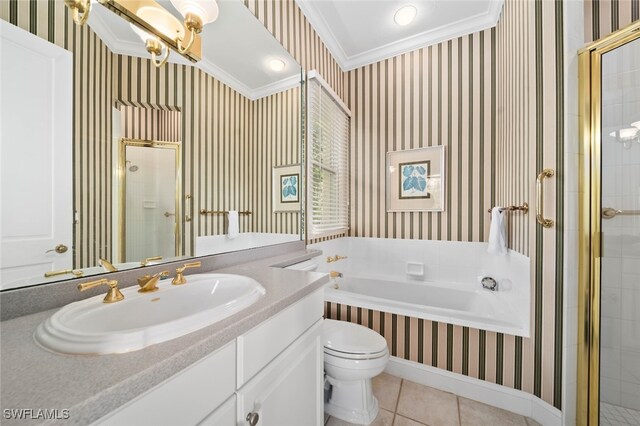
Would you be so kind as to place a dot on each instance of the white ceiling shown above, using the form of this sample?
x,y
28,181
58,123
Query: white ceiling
x,y
236,48
361,32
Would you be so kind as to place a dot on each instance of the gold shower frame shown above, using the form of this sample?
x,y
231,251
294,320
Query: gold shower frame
x,y
589,229
122,188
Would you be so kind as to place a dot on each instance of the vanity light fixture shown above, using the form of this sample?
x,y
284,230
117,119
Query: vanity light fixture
x,y
405,15
157,27
80,9
154,46
196,13
277,65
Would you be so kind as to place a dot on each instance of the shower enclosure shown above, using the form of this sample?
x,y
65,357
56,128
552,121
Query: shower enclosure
x,y
609,275
150,193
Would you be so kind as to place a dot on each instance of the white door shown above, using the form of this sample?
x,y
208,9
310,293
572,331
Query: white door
x,y
36,116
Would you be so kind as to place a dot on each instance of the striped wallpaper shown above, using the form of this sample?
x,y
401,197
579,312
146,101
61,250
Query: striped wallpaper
x,y
602,17
150,124
216,122
440,95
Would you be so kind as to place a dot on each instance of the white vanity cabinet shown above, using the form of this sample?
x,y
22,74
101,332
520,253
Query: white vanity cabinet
x,y
270,375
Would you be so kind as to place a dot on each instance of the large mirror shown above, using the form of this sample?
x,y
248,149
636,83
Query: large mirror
x,y
148,164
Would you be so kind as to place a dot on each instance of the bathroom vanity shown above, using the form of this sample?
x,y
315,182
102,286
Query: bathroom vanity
x,y
262,365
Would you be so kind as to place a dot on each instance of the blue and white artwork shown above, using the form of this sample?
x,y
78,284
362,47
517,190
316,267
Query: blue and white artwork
x,y
413,179
289,188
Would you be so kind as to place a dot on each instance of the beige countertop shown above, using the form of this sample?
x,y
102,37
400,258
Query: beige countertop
x,y
90,386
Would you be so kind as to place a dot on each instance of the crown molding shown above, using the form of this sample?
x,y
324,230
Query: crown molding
x,y
460,28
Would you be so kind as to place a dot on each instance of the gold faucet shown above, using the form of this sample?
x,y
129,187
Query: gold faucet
x,y
149,259
108,266
113,295
148,283
335,274
179,278
64,272
335,258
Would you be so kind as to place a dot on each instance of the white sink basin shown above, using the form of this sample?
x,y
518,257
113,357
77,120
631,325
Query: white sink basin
x,y
143,319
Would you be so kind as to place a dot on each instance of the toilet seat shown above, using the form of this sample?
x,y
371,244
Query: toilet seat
x,y
352,341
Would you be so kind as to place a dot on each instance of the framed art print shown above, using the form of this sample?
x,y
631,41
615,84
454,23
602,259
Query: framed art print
x,y
415,180
286,188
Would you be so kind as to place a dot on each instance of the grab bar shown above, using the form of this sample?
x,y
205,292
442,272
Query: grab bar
x,y
610,212
546,223
241,213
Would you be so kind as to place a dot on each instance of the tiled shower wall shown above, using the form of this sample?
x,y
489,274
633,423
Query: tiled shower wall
x,y
620,292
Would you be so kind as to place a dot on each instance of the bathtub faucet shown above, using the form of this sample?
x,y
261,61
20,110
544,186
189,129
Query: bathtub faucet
x,y
489,283
335,274
335,258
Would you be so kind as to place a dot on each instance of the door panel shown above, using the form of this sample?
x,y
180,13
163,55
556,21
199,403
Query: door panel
x,y
36,144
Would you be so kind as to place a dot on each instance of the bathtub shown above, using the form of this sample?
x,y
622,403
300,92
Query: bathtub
x,y
432,280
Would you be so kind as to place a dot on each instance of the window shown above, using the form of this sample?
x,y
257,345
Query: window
x,y
328,156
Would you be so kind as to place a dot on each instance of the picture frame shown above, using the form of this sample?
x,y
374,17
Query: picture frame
x,y
286,188
415,180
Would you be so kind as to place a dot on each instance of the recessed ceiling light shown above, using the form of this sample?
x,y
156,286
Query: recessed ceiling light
x,y
276,64
405,15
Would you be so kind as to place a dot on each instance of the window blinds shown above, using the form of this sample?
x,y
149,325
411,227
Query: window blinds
x,y
328,157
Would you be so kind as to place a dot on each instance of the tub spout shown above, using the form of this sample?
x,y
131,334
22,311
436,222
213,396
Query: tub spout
x,y
335,274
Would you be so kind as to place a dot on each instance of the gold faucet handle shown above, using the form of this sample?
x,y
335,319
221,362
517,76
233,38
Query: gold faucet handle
x,y
64,272
179,278
338,257
107,266
150,259
113,295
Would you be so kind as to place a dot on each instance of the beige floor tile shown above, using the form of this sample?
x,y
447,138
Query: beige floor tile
x,y
474,413
427,405
385,418
532,422
403,421
386,389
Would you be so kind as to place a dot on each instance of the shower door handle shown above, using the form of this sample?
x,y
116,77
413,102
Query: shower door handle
x,y
167,214
546,223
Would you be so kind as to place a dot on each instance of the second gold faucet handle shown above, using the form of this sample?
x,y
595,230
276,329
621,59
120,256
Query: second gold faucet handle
x,y
179,278
113,295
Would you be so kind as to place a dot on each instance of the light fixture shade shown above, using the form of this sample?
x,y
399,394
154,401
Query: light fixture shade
x,y
162,21
207,10
405,15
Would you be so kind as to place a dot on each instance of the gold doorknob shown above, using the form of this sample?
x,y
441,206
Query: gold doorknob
x,y
60,248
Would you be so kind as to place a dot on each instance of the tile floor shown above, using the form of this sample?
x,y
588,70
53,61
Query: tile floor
x,y
405,403
613,415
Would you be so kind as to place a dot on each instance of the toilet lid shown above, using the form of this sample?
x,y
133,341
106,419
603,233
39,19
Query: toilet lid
x,y
346,337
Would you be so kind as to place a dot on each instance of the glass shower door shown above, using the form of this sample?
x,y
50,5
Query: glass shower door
x,y
620,221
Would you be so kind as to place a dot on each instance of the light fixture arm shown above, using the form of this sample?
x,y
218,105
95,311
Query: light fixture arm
x,y
80,8
193,24
155,47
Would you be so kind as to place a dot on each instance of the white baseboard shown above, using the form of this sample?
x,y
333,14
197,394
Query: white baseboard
x,y
513,400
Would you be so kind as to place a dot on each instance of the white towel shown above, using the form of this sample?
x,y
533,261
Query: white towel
x,y
234,226
497,239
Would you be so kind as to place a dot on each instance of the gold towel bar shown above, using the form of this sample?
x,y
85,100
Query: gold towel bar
x,y
242,213
523,208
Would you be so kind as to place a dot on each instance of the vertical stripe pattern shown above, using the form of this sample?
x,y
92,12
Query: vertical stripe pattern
x,y
601,18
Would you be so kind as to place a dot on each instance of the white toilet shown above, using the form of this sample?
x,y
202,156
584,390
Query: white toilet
x,y
353,355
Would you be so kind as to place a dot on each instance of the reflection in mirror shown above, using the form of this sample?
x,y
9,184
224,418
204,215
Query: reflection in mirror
x,y
234,118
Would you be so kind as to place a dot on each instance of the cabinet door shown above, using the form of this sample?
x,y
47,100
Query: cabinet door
x,y
288,392
225,415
